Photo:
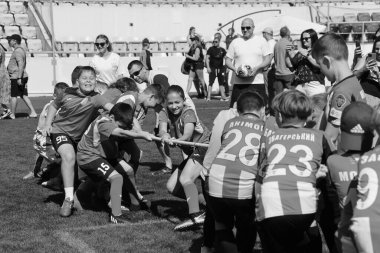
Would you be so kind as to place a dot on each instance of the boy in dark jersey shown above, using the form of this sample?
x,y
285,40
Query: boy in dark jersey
x,y
230,180
331,53
366,217
77,109
98,154
356,138
287,194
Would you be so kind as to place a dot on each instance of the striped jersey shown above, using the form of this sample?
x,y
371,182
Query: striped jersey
x,y
292,158
366,218
234,169
131,97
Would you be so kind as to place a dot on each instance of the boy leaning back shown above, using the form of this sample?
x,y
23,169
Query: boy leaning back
x,y
331,53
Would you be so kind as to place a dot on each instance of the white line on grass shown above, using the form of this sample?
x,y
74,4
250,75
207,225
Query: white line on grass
x,y
129,224
74,242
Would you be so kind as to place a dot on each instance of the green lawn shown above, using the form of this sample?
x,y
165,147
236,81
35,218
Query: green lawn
x,y
29,213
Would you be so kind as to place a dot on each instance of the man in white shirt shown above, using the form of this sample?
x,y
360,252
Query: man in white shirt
x,y
252,51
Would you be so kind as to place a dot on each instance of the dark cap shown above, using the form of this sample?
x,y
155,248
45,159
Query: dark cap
x,y
15,37
145,41
355,126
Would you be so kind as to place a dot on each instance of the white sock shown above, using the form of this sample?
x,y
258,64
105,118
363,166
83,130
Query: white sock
x,y
69,193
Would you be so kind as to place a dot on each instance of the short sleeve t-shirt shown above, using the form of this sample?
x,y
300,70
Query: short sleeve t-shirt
x,y
280,54
97,141
341,95
216,56
75,112
107,68
248,52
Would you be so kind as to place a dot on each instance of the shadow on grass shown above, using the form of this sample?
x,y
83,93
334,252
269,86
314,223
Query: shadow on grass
x,y
153,166
166,208
55,198
21,115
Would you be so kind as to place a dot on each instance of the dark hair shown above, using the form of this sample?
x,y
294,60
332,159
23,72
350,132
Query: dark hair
x,y
104,37
249,101
124,113
332,45
155,90
177,89
84,69
313,36
126,84
60,87
292,104
319,100
75,74
374,44
284,31
135,62
191,28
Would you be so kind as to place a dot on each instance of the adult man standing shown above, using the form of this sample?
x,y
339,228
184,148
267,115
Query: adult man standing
x,y
269,72
18,75
284,75
216,68
250,52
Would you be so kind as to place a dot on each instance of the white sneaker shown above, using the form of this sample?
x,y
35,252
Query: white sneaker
x,y
195,221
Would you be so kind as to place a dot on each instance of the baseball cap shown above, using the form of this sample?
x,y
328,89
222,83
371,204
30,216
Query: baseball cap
x,y
355,126
268,30
145,41
15,37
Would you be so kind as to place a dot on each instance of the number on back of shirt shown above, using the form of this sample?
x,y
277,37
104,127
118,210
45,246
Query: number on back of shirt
x,y
251,144
278,152
103,168
368,187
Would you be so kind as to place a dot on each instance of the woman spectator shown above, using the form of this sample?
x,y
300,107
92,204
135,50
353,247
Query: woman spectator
x,y
105,62
191,35
308,77
196,58
5,86
368,72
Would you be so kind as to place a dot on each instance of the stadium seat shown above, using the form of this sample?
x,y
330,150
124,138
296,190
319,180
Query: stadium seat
x,y
5,44
181,46
337,19
4,7
167,46
34,45
70,46
135,47
6,19
119,47
357,28
21,19
29,32
350,17
9,30
334,28
16,7
375,16
345,28
153,46
364,16
86,47
371,27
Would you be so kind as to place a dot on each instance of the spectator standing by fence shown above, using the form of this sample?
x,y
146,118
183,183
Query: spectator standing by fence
x,y
19,77
146,54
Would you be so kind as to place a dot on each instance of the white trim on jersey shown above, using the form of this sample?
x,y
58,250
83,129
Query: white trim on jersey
x,y
125,97
308,197
361,229
270,196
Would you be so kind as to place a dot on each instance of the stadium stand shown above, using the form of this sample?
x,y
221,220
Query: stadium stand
x,y
6,19
21,19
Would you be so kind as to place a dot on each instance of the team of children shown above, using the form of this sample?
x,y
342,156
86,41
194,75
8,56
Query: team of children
x,y
260,174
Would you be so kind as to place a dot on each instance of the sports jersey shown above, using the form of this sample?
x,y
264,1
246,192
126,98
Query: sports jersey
x,y
292,158
342,170
366,219
177,124
97,141
234,169
76,112
131,98
341,95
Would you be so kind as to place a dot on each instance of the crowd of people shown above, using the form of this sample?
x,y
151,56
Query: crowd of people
x,y
290,160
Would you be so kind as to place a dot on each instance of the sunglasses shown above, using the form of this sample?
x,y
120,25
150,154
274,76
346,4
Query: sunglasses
x,y
307,38
246,28
136,73
98,45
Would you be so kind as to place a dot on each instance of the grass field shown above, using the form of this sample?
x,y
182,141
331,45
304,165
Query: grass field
x,y
29,213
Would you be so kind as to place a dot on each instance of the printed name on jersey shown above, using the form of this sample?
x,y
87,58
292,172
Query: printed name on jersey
x,y
246,124
340,101
346,176
372,158
335,113
303,136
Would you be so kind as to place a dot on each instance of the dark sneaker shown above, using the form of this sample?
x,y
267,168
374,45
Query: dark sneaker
x,y
123,218
6,113
165,170
66,208
195,221
144,205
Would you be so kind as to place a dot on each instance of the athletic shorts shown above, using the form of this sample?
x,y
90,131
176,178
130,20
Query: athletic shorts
x,y
59,139
19,90
100,169
196,153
